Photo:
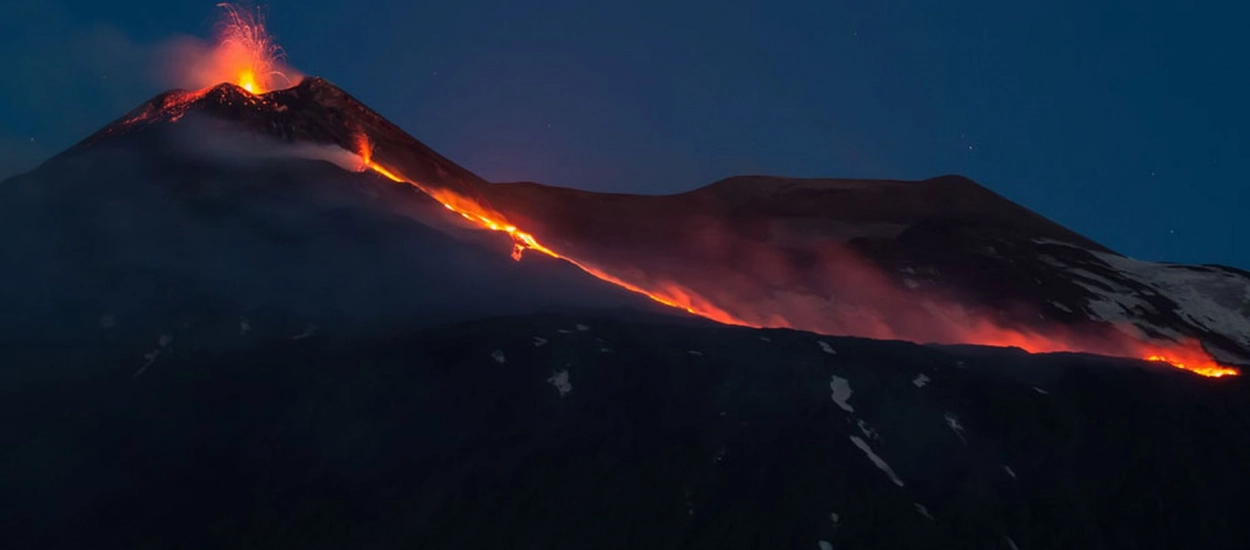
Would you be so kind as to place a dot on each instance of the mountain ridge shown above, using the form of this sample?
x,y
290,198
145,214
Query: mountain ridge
x,y
250,345
921,261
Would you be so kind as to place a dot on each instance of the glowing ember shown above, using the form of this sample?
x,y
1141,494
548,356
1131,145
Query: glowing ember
x,y
243,54
1188,355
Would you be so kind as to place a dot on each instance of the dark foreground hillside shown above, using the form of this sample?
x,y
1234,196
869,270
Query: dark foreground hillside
x,y
612,431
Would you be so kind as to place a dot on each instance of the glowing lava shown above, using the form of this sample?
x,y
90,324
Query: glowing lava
x,y
1188,355
246,55
488,218
243,54
1195,361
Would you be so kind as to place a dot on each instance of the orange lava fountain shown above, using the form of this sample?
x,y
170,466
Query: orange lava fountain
x,y
250,54
243,54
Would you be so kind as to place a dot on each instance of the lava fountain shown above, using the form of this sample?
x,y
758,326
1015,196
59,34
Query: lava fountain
x,y
242,53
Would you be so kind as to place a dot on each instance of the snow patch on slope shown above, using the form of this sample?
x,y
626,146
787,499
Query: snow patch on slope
x,y
1116,304
876,460
1208,298
1214,299
841,393
560,380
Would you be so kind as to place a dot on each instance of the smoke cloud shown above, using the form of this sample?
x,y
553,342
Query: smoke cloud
x,y
220,142
66,78
192,63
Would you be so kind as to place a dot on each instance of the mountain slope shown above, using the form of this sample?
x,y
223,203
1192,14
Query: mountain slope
x,y
154,229
940,260
944,260
560,431
222,330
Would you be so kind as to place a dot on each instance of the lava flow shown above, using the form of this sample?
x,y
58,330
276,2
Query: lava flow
x,y
488,218
1188,355
247,56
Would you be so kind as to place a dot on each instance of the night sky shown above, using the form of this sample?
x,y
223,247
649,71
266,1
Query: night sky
x,y
1126,121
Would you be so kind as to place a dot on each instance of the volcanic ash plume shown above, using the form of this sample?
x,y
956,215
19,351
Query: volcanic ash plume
x,y
242,53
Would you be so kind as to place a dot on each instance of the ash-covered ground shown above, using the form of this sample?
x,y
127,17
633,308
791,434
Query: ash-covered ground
x,y
615,430
264,350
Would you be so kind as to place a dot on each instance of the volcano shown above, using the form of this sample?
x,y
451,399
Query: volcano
x,y
276,319
937,261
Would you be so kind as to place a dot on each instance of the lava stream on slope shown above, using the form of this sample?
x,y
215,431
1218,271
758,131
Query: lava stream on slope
x,y
1188,354
246,56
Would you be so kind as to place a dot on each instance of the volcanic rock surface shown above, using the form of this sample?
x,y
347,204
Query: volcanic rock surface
x,y
589,431
942,260
921,261
186,226
217,332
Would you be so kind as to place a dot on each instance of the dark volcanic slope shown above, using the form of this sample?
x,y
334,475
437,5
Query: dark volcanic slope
x,y
616,434
943,260
169,231
315,111
925,261
863,206
213,340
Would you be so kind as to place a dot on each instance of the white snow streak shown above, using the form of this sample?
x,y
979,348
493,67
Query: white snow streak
x,y
955,426
867,430
876,460
923,511
151,355
841,393
920,380
560,379
825,347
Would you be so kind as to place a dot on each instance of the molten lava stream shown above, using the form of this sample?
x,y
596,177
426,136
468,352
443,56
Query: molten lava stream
x,y
1189,356
487,218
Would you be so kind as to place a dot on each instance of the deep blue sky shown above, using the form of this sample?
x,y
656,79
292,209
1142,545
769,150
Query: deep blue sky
x,y
1126,121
